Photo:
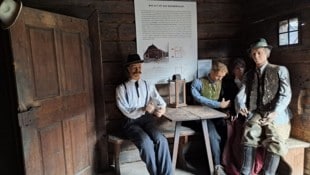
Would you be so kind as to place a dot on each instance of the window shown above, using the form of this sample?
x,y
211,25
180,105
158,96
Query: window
x,y
288,32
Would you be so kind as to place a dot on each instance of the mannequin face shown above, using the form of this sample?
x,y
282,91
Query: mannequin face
x,y
134,71
238,71
259,56
217,76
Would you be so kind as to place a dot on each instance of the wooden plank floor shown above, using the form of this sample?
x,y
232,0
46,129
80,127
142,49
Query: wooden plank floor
x,y
195,156
139,168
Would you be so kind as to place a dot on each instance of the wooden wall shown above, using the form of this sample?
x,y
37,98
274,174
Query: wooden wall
x,y
219,24
264,23
219,29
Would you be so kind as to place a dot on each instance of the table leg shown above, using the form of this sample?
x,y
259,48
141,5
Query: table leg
x,y
175,145
207,144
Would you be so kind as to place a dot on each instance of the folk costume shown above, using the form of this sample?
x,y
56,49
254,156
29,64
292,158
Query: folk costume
x,y
266,90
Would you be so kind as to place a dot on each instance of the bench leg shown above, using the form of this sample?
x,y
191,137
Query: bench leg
x,y
294,160
117,149
182,146
175,145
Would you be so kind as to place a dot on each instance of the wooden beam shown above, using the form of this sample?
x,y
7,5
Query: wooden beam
x,y
257,15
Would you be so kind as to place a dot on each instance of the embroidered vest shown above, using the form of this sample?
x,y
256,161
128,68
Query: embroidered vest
x,y
211,90
262,93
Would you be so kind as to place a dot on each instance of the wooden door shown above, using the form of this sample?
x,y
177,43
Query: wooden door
x,y
54,86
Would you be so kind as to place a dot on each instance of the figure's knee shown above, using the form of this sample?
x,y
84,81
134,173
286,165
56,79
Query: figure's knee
x,y
146,144
275,143
250,141
213,134
161,139
252,134
278,148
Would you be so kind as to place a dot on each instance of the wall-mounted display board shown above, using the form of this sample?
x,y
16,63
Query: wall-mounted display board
x,y
204,67
167,39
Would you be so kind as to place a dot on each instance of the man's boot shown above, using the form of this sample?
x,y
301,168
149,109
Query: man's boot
x,y
248,160
271,164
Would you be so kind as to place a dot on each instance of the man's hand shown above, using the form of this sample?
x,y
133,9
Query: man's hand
x,y
268,118
244,112
150,108
224,104
159,111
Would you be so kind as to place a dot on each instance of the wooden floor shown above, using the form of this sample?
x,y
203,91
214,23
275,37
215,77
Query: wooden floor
x,y
139,168
197,159
195,155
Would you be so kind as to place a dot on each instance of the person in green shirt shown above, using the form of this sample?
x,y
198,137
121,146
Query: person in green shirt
x,y
207,91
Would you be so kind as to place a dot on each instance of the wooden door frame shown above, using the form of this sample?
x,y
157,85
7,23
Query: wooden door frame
x,y
98,86
12,161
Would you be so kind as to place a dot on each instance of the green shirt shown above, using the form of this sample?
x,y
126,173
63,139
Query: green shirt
x,y
211,90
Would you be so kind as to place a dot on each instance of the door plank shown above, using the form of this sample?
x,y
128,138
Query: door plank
x,y
79,141
31,145
72,64
53,153
44,63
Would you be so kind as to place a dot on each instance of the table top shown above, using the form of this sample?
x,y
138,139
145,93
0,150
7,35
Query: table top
x,y
192,112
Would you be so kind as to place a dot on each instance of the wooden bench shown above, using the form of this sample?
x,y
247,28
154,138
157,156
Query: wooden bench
x,y
117,140
293,161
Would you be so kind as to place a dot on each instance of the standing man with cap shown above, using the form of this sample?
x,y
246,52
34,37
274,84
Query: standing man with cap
x,y
140,103
263,99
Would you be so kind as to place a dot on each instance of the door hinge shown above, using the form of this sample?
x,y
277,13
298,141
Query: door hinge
x,y
27,118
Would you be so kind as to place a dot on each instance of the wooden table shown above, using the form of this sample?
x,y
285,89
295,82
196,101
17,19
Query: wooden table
x,y
190,113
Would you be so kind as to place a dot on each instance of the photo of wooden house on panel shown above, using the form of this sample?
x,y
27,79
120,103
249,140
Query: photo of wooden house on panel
x,y
152,53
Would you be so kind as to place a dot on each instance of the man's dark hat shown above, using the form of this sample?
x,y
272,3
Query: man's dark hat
x,y
133,59
260,43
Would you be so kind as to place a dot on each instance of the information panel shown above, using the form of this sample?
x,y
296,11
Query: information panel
x,y
167,39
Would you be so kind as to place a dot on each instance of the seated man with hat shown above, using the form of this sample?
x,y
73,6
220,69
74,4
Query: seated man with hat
x,y
263,99
140,103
